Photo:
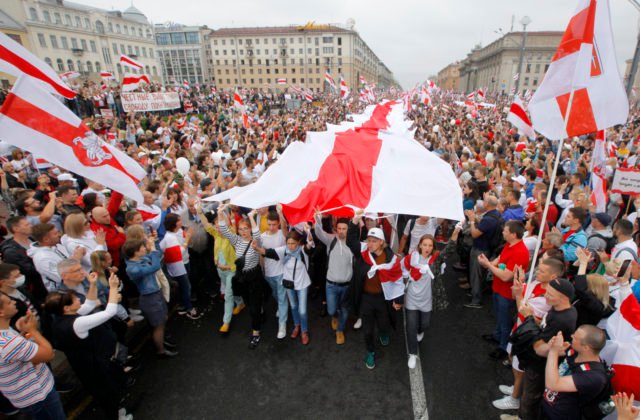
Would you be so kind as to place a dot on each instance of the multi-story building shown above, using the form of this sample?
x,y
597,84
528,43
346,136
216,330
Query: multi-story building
x,y
449,77
182,54
74,37
257,57
493,67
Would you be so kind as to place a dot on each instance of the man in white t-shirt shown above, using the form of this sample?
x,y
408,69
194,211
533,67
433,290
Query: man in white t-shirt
x,y
416,229
275,237
626,249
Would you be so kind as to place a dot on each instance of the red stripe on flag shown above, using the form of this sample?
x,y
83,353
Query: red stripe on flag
x,y
579,31
147,215
346,176
28,68
626,379
630,311
173,254
39,120
581,119
520,113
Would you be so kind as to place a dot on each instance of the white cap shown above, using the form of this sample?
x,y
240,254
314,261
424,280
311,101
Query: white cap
x,y
140,154
66,177
373,216
519,179
376,233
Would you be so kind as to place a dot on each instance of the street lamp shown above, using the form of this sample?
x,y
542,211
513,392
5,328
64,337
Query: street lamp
x,y
525,21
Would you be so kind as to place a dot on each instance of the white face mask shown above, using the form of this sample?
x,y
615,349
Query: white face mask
x,y
19,282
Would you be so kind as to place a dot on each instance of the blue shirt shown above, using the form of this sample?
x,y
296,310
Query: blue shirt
x,y
143,272
487,226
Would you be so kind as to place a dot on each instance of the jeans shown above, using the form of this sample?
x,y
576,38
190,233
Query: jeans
x,y
417,322
504,310
280,295
477,275
298,302
532,391
184,287
373,310
337,303
48,409
229,299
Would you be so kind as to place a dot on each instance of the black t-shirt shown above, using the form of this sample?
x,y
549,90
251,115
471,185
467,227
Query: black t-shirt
x,y
488,224
553,322
589,383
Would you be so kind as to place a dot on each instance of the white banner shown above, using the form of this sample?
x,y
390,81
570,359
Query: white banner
x,y
626,181
141,102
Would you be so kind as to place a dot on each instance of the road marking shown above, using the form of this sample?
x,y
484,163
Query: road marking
x,y
416,381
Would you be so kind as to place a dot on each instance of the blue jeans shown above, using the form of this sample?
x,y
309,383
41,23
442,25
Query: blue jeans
x,y
48,409
184,286
280,295
337,303
504,310
229,299
298,302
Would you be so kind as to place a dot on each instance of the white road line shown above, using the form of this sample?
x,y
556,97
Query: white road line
x,y
418,396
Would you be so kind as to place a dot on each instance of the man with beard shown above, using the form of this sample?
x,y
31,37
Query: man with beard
x,y
35,211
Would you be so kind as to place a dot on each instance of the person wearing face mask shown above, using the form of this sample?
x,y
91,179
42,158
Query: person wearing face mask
x,y
11,284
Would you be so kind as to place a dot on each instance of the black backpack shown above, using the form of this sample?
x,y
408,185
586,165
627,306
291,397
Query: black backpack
x,y
601,405
496,242
610,242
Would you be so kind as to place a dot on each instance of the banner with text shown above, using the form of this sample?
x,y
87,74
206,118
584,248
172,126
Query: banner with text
x,y
626,181
158,101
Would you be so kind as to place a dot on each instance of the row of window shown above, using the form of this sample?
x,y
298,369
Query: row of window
x,y
538,67
89,67
275,71
86,24
256,41
64,43
267,62
283,51
268,81
178,38
134,50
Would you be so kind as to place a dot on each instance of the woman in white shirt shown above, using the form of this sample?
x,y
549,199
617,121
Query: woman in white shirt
x,y
78,233
295,278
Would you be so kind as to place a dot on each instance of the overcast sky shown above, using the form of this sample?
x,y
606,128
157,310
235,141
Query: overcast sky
x,y
414,38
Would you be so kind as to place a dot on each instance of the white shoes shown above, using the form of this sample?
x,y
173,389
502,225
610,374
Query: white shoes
x,y
278,313
136,318
506,389
358,324
507,403
282,331
412,361
133,311
420,337
509,417
122,415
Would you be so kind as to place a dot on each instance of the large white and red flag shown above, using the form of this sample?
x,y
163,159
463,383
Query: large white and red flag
x,y
130,62
69,75
622,351
237,100
598,174
583,71
425,98
281,81
358,164
107,75
132,82
519,118
34,120
344,90
16,60
329,79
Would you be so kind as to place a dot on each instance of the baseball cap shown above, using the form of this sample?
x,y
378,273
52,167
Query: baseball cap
x,y
66,177
603,218
376,233
519,179
563,286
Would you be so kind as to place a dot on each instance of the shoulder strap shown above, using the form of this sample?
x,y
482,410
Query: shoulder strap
x,y
630,251
333,244
247,249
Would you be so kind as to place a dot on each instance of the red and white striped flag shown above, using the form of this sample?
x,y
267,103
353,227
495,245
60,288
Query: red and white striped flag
x,y
424,96
362,81
186,85
281,81
237,100
480,94
516,77
103,86
69,75
33,120
612,149
17,61
130,62
107,75
598,169
344,90
519,118
329,79
308,96
40,163
471,96
132,82
172,246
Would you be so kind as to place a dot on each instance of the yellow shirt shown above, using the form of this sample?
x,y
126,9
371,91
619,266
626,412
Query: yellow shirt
x,y
222,244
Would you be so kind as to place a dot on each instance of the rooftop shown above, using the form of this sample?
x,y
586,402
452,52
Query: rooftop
x,y
132,13
6,22
284,30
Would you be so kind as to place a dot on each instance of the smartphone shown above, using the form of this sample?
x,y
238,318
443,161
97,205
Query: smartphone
x,y
623,268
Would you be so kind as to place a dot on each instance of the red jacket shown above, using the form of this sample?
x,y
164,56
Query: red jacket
x,y
114,239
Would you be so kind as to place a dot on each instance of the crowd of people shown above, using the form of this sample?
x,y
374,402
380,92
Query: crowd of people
x,y
81,264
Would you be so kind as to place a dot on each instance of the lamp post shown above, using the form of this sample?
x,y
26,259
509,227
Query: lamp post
x,y
525,21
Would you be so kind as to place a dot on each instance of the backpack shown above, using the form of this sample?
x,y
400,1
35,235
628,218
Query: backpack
x,y
610,242
496,242
522,339
601,405
630,251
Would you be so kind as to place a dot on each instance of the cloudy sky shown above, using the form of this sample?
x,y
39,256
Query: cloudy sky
x,y
415,38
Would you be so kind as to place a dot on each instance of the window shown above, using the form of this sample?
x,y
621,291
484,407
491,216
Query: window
x,y
144,51
528,68
65,44
535,81
300,51
317,41
224,42
42,41
130,50
57,17
150,52
89,67
54,41
155,71
70,65
140,32
125,29
48,61
327,40
80,66
60,64
93,46
178,38
193,38
74,43
118,31
99,27
87,24
317,51
339,41
83,42
110,26
526,80
339,51
47,16
33,14
257,41
224,52
546,67
537,68
98,66
137,50
122,50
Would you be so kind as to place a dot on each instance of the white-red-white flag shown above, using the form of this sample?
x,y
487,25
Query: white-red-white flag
x,y
425,98
107,75
281,81
519,118
130,62
186,85
585,65
132,82
480,94
329,80
237,100
344,90
17,60
69,75
33,120
363,81
598,174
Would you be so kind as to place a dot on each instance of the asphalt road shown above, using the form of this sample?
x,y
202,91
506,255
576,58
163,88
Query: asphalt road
x,y
220,378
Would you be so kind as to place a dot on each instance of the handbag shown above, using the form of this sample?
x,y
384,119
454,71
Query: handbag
x,y
522,340
289,284
241,259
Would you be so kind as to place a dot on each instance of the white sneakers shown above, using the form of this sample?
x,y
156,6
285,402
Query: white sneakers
x,y
358,324
122,415
282,331
506,389
278,313
412,361
507,403
509,417
420,337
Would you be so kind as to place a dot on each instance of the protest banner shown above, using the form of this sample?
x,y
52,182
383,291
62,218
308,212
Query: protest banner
x,y
158,101
107,113
626,181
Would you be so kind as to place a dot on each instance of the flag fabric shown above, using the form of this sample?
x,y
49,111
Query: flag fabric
x,y
186,85
103,86
237,100
425,98
281,81
598,169
622,351
519,118
389,274
357,164
107,75
69,75
480,94
344,90
17,60
308,96
132,82
34,120
40,163
130,62
516,77
329,79
172,246
471,96
585,65
362,81
612,149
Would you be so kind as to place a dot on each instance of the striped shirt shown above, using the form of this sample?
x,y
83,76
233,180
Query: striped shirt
x,y
22,382
252,258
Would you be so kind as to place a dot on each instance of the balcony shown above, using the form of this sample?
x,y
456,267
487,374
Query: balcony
x,y
78,52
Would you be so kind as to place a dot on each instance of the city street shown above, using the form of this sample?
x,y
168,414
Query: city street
x,y
218,377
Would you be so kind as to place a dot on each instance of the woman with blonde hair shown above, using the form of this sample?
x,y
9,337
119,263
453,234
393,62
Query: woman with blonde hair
x,y
78,234
593,302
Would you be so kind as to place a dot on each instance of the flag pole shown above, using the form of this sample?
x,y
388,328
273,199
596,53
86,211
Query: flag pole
x,y
552,181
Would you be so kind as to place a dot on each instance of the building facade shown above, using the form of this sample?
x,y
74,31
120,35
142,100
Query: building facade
x,y
182,53
449,77
73,37
256,58
493,67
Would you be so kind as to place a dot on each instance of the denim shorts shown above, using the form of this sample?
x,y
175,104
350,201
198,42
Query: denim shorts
x,y
154,308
